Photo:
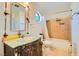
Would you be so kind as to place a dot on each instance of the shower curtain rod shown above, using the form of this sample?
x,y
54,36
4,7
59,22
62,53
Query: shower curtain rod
x,y
62,11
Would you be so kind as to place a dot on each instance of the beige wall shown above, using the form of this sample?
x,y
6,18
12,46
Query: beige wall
x,y
60,31
35,27
53,16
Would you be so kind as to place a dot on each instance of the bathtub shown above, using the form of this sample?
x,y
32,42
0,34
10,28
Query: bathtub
x,y
56,47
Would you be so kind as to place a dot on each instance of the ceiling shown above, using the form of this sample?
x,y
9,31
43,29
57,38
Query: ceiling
x,y
49,8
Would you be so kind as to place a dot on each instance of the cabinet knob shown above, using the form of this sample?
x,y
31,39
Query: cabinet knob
x,y
23,47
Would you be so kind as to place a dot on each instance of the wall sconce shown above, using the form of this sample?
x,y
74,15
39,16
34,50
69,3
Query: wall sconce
x,y
5,13
27,18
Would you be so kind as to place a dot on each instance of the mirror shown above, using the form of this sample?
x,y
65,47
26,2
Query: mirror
x,y
18,16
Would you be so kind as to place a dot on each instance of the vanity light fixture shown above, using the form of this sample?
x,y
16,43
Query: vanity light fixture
x,y
25,4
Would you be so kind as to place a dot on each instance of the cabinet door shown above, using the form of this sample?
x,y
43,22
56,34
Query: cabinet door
x,y
8,51
32,49
37,48
26,50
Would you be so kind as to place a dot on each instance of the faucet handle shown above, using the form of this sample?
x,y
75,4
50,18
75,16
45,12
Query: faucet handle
x,y
22,36
40,33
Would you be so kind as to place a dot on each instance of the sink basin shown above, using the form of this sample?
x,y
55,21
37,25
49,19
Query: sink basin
x,y
28,39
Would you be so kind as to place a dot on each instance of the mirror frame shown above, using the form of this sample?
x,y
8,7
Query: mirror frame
x,y
11,16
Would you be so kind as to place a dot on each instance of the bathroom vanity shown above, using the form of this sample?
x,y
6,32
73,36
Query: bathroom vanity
x,y
23,47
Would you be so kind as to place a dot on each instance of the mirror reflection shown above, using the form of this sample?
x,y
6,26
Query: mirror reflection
x,y
18,13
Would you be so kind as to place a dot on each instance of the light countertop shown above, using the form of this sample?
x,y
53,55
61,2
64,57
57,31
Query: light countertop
x,y
21,41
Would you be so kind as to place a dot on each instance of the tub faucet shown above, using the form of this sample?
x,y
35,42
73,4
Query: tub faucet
x,y
42,36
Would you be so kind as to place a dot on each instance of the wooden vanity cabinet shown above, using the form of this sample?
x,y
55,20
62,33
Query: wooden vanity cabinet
x,y
31,49
26,50
37,48
8,51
